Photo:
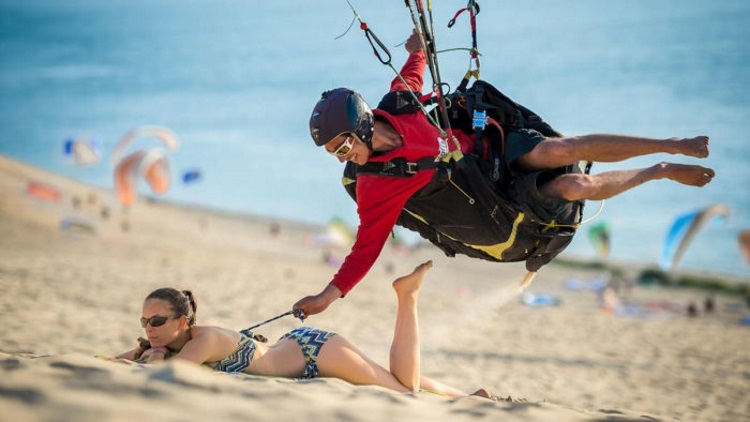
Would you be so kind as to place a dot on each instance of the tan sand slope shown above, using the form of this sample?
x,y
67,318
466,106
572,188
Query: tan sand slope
x,y
73,273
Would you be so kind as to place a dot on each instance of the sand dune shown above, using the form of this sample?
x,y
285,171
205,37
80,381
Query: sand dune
x,y
75,269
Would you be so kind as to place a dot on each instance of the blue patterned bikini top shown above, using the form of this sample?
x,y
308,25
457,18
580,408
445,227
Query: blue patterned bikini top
x,y
240,359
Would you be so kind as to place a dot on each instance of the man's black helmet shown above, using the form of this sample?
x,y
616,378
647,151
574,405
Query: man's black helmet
x,y
338,111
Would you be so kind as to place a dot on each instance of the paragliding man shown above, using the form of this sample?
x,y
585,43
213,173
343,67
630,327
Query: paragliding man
x,y
401,169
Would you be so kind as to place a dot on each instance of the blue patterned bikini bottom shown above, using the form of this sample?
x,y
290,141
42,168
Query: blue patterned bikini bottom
x,y
310,340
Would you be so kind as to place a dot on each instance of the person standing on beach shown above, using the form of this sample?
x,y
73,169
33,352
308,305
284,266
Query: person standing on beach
x,y
345,126
169,319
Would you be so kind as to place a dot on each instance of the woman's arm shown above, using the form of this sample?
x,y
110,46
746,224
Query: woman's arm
x,y
129,355
151,355
135,354
207,344
154,354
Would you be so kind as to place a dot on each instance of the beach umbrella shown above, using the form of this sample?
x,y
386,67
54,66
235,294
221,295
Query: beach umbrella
x,y
78,225
162,134
150,165
744,240
191,176
599,236
42,191
684,229
336,234
82,151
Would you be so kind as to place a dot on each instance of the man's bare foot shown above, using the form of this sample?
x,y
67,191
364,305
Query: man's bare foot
x,y
694,147
687,174
410,283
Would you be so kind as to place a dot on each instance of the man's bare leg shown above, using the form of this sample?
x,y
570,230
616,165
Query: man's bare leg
x,y
574,187
558,152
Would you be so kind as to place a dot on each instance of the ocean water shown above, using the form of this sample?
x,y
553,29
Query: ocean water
x,y
236,81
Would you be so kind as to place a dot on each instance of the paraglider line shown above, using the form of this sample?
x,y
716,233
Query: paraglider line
x,y
596,214
299,315
347,29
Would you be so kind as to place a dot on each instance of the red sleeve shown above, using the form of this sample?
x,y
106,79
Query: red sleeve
x,y
380,201
412,72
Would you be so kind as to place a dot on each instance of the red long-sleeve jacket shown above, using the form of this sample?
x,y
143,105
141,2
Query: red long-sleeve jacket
x,y
380,199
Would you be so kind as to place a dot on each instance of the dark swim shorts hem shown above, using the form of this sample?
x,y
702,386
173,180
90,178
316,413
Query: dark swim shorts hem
x,y
526,193
520,142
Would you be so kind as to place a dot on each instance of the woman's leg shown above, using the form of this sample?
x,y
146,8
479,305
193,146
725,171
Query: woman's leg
x,y
405,353
341,359
405,350
429,384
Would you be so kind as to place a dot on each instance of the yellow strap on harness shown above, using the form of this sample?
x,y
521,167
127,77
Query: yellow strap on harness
x,y
495,251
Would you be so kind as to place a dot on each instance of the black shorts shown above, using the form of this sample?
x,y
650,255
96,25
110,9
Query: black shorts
x,y
525,192
525,185
519,142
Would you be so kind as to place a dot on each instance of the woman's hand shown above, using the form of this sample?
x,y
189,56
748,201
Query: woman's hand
x,y
155,354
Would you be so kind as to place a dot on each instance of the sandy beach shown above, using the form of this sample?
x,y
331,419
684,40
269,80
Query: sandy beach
x,y
75,267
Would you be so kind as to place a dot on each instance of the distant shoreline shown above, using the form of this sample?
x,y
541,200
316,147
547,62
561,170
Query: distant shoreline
x,y
640,271
651,274
709,280
704,280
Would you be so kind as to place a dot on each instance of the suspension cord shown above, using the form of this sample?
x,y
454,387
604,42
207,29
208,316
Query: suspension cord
x,y
428,44
473,8
376,44
299,315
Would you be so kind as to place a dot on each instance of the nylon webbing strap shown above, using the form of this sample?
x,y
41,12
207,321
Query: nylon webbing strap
x,y
398,167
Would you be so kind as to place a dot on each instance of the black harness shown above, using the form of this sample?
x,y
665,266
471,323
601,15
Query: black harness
x,y
466,207
397,167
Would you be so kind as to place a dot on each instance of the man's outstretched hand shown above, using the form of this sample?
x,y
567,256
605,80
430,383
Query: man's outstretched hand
x,y
413,43
311,305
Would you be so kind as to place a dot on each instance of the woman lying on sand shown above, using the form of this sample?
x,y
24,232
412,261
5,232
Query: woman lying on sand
x,y
169,317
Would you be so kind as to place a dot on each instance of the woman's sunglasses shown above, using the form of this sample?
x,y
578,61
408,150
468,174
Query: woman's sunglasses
x,y
344,148
155,321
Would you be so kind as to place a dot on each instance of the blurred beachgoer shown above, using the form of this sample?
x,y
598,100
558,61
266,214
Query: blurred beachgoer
x,y
692,310
609,301
169,319
708,305
744,240
274,229
350,130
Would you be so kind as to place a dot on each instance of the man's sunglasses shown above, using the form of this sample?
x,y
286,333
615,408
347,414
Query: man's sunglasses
x,y
344,148
155,321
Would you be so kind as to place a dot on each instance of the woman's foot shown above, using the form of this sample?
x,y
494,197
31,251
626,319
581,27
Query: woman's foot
x,y
410,284
482,393
487,395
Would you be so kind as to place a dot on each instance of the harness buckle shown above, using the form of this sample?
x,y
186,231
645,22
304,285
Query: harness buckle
x,y
412,168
